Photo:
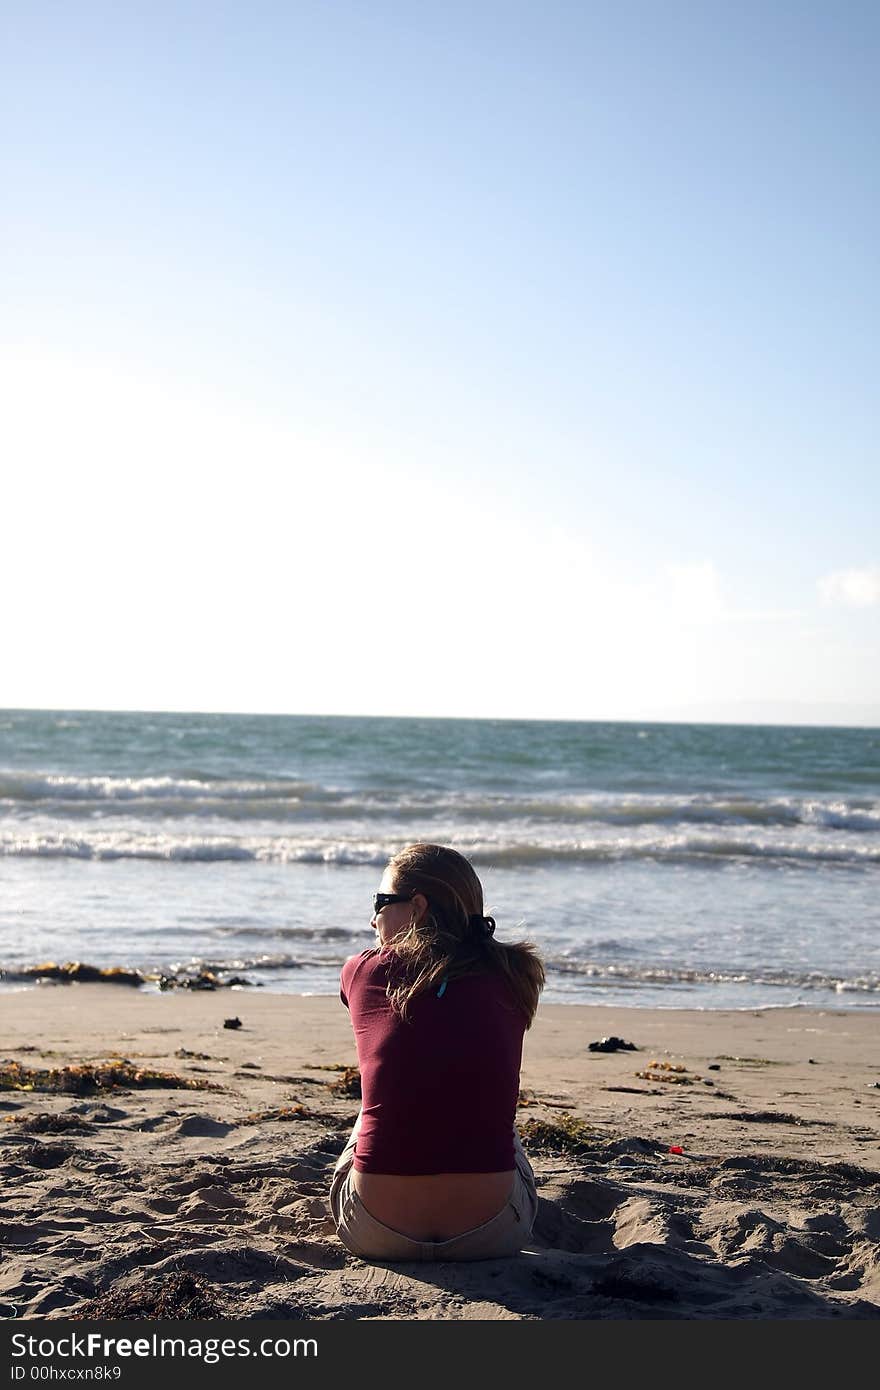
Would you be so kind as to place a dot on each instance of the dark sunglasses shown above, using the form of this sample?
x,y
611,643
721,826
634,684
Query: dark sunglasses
x,y
381,900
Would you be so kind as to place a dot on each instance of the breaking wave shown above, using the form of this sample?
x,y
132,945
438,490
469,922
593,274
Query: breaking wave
x,y
686,845
286,798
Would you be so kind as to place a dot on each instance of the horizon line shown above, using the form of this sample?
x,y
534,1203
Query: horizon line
x,y
707,722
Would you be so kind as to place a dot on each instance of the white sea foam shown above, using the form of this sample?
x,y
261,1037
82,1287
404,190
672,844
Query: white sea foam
x,y
280,799
54,787
640,844
812,980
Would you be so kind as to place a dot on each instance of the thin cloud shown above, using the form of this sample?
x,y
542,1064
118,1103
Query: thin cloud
x,y
853,588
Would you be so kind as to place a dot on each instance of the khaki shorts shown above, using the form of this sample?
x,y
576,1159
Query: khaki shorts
x,y
363,1235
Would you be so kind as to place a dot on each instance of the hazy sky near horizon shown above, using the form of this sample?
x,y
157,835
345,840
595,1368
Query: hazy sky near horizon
x,y
504,359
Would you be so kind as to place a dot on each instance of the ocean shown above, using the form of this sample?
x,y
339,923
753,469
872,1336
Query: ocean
x,y
662,865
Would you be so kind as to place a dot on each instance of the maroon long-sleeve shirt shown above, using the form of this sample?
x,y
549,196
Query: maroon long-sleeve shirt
x,y
439,1090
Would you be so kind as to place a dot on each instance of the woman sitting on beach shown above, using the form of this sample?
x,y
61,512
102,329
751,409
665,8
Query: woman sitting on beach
x,y
434,1169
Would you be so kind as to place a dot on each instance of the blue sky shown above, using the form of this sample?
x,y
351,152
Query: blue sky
x,y
532,346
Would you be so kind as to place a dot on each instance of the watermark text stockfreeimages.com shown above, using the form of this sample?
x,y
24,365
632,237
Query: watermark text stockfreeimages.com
x,y
96,1345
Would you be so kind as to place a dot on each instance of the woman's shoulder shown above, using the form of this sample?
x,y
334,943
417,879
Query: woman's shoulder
x,y
355,961
355,965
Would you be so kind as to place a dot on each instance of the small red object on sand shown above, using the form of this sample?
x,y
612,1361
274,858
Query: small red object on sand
x,y
676,1149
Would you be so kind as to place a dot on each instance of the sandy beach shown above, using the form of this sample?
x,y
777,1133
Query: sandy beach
x,y
726,1167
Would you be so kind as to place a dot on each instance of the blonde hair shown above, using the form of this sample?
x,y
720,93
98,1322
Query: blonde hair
x,y
454,938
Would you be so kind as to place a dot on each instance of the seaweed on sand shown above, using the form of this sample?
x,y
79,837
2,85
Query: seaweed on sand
x,y
43,1123
349,1084
568,1134
671,1072
48,1155
173,1296
294,1112
78,971
283,1112
85,1078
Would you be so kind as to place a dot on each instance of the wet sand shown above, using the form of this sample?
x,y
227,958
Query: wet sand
x,y
140,1198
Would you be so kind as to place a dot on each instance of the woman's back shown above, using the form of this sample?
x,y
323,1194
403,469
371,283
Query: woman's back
x,y
439,1088
434,1168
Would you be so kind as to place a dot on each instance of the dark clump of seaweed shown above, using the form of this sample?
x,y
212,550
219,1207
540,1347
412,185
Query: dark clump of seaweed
x,y
86,1078
568,1134
768,1117
76,971
349,1084
850,1172
204,979
283,1112
48,1155
175,1296
44,1123
79,972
